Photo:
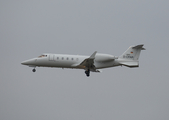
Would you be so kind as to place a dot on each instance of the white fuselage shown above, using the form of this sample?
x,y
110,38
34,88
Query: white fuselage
x,y
89,63
71,61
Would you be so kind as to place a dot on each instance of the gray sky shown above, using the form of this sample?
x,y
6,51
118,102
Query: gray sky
x,y
30,28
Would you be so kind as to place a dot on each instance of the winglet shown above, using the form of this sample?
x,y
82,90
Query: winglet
x,y
93,55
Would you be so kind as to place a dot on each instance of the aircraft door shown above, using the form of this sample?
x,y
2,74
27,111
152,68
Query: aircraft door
x,y
51,57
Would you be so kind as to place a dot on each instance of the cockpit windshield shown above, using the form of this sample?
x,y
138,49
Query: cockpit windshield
x,y
42,56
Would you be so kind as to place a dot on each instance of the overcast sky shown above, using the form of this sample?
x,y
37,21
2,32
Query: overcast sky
x,y
31,27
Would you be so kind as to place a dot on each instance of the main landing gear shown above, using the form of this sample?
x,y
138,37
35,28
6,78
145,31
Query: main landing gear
x,y
87,72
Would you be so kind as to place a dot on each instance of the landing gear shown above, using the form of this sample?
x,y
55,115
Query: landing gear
x,y
87,72
34,70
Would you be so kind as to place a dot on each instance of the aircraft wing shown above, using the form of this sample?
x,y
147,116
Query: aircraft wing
x,y
88,63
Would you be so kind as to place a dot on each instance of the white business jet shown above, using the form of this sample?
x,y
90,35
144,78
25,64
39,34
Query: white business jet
x,y
129,58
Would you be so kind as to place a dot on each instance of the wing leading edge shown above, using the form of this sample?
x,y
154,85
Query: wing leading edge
x,y
88,63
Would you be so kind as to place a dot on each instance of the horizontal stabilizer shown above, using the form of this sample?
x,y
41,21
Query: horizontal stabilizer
x,y
138,47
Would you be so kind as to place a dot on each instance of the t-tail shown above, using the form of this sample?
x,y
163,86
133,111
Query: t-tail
x,y
130,57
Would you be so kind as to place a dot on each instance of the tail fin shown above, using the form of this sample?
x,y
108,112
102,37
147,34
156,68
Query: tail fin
x,y
132,53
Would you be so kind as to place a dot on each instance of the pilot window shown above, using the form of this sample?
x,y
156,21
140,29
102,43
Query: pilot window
x,y
42,56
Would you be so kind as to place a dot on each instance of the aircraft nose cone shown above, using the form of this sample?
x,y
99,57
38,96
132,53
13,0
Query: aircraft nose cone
x,y
23,63
28,62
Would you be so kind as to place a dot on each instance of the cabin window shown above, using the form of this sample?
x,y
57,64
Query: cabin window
x,y
72,58
67,58
77,59
57,58
62,58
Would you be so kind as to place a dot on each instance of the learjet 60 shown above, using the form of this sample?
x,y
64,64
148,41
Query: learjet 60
x,y
95,62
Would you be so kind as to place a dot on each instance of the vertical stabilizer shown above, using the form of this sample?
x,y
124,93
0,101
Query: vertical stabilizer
x,y
132,53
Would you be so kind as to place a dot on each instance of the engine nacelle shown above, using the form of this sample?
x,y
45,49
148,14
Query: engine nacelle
x,y
104,57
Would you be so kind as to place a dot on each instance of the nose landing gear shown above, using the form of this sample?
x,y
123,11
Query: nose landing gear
x,y
34,70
